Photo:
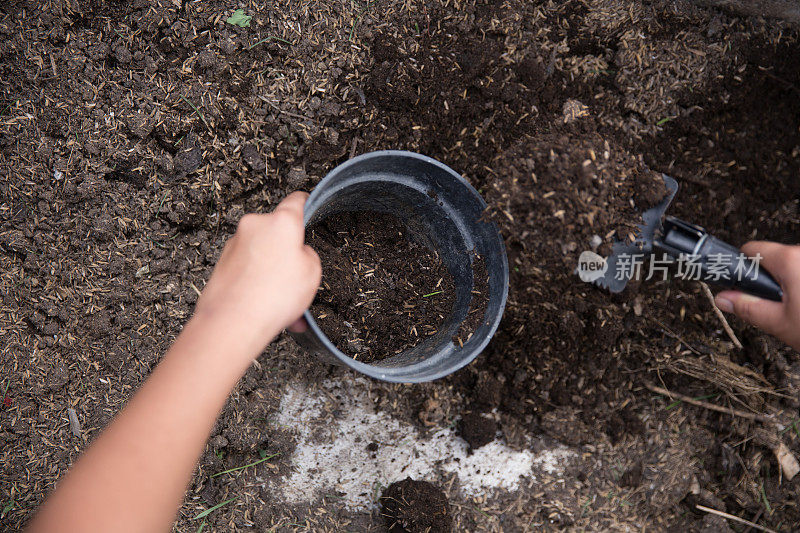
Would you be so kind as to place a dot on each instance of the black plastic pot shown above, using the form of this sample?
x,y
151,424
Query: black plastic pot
x,y
442,211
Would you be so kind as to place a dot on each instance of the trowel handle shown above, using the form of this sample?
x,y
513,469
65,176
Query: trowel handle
x,y
715,261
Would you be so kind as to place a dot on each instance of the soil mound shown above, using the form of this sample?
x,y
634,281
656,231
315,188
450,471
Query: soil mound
x,y
415,507
477,430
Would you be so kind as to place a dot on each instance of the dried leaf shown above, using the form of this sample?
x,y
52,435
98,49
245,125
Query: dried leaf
x,y
787,461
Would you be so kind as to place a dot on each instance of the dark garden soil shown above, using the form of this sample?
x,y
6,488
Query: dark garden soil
x,y
415,507
381,293
134,135
477,430
478,304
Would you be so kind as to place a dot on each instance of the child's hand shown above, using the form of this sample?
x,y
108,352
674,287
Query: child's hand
x,y
781,319
265,278
263,282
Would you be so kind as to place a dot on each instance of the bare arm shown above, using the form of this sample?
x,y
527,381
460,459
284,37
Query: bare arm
x,y
132,478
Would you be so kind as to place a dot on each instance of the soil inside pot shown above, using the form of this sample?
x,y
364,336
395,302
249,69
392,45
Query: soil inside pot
x,y
381,292
479,303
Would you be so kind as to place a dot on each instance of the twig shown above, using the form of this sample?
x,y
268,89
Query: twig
x,y
755,519
194,288
721,317
734,518
287,113
711,406
675,336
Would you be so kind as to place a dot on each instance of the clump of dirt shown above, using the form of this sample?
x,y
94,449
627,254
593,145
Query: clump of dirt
x,y
477,430
412,506
381,293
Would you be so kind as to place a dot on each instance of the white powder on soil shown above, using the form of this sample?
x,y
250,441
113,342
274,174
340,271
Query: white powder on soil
x,y
336,427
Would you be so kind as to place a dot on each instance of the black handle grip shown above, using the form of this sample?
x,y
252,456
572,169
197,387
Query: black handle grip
x,y
715,261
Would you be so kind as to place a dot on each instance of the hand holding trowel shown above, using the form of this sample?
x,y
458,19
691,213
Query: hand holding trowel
x,y
716,261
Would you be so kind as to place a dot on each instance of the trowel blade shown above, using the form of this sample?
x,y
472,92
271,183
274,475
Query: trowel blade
x,y
615,279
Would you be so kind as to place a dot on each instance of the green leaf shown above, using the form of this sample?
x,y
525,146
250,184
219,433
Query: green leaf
x,y
211,510
265,458
7,508
766,501
239,19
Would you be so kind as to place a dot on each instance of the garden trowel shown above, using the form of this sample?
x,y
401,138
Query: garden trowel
x,y
706,257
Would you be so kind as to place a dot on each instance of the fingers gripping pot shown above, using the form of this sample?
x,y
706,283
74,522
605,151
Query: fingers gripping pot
x,y
441,211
